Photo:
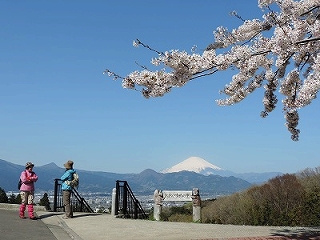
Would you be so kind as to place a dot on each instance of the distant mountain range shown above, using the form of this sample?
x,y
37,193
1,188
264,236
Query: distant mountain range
x,y
143,183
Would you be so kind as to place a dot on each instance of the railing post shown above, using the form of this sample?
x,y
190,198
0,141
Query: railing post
x,y
196,205
116,212
135,210
157,206
72,203
81,204
124,201
55,196
113,202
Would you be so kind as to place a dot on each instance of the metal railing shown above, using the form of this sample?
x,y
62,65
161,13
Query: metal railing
x,y
78,203
126,204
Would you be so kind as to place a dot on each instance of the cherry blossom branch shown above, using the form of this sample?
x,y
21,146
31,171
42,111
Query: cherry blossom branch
x,y
308,40
258,58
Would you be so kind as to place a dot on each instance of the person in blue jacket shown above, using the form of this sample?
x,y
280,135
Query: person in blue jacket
x,y
67,189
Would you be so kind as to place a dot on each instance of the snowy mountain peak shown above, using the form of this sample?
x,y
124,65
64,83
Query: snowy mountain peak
x,y
194,164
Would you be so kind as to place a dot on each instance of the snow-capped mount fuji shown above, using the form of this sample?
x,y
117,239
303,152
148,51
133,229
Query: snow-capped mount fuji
x,y
201,166
195,164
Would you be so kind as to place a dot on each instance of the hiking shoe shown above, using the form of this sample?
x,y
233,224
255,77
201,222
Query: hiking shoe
x,y
33,218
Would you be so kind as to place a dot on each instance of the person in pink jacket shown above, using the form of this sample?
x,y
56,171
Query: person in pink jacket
x,y
28,178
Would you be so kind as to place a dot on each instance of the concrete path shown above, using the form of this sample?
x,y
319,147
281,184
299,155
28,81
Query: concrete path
x,y
97,226
48,227
103,226
12,227
88,226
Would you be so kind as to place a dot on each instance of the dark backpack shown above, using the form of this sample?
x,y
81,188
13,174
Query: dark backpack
x,y
19,184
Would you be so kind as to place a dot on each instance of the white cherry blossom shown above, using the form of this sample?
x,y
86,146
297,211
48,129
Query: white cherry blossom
x,y
287,59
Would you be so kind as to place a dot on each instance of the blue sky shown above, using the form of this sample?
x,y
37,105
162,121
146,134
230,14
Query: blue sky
x,y
55,103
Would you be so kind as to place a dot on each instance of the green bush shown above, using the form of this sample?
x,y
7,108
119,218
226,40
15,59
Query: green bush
x,y
177,217
178,213
287,200
44,201
3,196
13,199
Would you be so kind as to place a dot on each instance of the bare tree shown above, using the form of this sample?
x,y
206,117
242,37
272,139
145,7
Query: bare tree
x,y
286,196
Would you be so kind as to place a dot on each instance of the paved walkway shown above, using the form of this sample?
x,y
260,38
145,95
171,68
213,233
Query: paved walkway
x,y
88,226
12,227
104,226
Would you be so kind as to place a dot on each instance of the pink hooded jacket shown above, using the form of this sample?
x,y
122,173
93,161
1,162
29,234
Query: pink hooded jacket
x,y
28,178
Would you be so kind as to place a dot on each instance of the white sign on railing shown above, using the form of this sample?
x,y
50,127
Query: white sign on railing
x,y
177,196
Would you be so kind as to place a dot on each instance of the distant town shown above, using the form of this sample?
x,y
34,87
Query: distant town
x,y
101,201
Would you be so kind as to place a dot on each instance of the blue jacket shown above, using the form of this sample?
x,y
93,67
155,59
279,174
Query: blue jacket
x,y
67,176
